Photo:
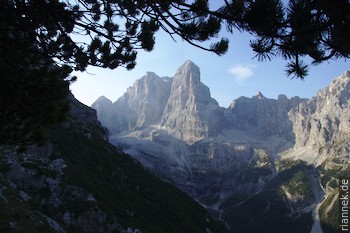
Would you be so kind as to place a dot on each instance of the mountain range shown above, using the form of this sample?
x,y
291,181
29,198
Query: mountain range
x,y
260,165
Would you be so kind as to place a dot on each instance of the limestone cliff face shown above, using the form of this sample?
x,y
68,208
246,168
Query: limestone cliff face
x,y
141,106
268,115
147,99
190,113
325,118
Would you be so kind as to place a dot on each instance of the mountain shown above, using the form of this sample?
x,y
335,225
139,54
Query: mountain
x,y
322,132
179,103
79,182
139,107
324,120
261,165
190,113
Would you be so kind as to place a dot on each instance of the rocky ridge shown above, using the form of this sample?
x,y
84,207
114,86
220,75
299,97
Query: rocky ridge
x,y
268,115
183,107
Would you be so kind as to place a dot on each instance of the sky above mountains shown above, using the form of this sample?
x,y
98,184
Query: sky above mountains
x,y
235,74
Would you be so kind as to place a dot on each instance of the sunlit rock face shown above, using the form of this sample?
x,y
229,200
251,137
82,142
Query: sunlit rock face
x,y
190,113
322,125
268,115
325,117
142,105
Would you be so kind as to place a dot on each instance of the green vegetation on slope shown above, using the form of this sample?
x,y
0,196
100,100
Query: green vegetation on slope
x,y
270,210
100,190
329,213
121,186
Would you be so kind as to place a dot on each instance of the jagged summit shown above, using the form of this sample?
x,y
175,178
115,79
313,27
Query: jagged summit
x,y
338,85
189,112
103,99
188,64
150,74
346,73
188,70
259,96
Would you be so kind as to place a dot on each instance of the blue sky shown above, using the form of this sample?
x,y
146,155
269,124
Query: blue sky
x,y
235,74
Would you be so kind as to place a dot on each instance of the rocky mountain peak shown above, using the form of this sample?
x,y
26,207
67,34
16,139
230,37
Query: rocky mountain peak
x,y
103,99
150,74
102,102
259,96
142,86
187,82
338,88
142,104
188,70
149,80
190,106
282,97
